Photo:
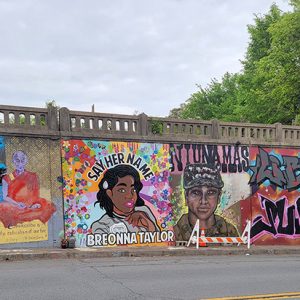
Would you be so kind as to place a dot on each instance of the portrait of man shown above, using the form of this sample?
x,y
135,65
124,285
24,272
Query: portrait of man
x,y
21,200
202,185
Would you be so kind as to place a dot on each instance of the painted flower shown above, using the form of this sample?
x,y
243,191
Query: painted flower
x,y
66,144
153,157
165,192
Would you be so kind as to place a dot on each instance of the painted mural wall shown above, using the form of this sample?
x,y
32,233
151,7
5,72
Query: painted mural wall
x,y
29,203
128,193
208,183
117,193
121,193
274,204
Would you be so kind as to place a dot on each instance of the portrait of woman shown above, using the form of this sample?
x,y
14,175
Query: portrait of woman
x,y
125,210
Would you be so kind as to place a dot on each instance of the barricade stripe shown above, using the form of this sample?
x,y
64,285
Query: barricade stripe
x,y
227,240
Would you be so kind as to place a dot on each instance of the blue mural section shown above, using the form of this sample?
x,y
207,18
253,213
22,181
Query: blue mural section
x,y
2,165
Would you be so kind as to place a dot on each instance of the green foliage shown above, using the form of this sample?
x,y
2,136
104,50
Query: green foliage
x,y
274,80
295,4
43,120
156,126
22,119
260,37
216,101
297,120
268,88
51,103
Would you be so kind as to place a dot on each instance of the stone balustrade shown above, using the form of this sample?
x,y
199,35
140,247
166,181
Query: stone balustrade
x,y
29,121
15,116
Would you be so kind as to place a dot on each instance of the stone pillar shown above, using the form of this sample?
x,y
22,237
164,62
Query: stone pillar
x,y
215,125
278,132
52,118
64,119
143,124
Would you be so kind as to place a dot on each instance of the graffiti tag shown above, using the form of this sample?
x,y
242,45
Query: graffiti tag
x,y
280,219
285,174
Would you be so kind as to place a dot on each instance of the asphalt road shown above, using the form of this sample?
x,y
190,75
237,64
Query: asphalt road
x,y
150,278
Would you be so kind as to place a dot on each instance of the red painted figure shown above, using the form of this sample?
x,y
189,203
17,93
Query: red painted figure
x,y
21,196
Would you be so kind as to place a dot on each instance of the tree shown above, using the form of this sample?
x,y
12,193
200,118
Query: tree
x,y
215,101
267,90
51,103
270,85
260,37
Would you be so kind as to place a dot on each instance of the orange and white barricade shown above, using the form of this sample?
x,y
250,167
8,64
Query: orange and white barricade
x,y
202,239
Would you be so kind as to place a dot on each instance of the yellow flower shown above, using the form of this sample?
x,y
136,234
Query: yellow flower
x,y
66,144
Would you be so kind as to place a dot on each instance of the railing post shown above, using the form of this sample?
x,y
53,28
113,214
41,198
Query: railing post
x,y
215,125
64,119
143,124
52,118
278,132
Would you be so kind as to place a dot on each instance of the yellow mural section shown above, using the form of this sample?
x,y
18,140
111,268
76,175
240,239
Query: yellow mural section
x,y
26,232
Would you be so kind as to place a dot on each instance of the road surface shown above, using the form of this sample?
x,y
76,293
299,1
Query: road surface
x,y
165,278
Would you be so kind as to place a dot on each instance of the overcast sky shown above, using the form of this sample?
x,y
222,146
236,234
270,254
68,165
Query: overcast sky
x,y
124,56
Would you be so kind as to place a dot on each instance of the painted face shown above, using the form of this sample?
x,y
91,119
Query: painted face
x,y
123,195
202,201
19,161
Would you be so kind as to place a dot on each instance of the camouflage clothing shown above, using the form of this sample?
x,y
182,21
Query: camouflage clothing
x,y
183,229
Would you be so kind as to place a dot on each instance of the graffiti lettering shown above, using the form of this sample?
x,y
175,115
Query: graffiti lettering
x,y
285,174
231,159
281,219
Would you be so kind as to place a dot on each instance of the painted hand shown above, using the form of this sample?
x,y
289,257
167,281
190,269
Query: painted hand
x,y
140,219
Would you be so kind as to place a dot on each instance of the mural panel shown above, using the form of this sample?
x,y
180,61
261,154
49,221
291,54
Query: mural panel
x,y
121,193
117,193
2,165
275,205
24,212
208,182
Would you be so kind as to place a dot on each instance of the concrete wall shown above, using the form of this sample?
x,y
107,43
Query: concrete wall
x,y
70,153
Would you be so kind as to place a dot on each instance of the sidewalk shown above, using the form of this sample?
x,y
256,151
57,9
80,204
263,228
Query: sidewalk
x,y
143,251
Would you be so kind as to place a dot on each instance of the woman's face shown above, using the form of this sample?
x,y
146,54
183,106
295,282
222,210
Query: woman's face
x,y
123,195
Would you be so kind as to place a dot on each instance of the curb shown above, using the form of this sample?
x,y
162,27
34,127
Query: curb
x,y
80,253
